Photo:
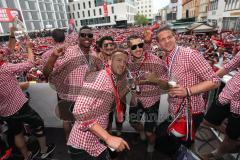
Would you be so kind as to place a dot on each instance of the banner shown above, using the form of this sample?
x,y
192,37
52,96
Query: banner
x,y
8,14
105,9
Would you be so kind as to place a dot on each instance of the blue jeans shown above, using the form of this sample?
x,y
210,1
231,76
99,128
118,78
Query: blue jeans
x,y
79,154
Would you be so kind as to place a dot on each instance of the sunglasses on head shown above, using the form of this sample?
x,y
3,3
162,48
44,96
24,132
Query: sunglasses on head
x,y
140,45
86,35
108,44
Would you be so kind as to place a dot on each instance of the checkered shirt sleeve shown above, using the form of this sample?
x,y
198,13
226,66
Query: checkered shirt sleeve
x,y
11,95
233,64
231,94
92,106
19,67
188,69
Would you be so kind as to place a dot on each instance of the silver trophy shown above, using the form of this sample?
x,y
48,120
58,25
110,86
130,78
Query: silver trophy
x,y
21,33
130,80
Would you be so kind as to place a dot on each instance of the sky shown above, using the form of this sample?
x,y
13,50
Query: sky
x,y
157,4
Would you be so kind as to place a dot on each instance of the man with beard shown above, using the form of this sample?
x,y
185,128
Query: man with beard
x,y
106,45
67,68
91,112
143,64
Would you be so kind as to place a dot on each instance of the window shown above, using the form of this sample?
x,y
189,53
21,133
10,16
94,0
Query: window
x,y
73,7
78,14
149,10
115,17
100,11
73,16
112,10
94,12
83,13
88,13
89,3
238,5
76,23
84,6
78,5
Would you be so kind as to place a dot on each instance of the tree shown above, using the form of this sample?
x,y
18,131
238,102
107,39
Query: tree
x,y
140,19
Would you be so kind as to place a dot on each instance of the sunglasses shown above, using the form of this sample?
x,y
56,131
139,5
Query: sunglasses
x,y
86,35
108,44
140,45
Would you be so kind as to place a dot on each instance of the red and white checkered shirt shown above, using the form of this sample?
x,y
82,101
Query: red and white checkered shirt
x,y
188,69
233,64
11,95
48,53
69,72
231,94
92,106
150,94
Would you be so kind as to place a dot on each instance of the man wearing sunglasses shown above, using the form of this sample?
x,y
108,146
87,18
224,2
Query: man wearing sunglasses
x,y
106,45
67,67
147,100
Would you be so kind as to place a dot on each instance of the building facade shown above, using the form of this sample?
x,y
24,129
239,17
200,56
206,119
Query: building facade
x,y
172,11
179,10
37,14
145,7
190,9
92,12
231,16
203,10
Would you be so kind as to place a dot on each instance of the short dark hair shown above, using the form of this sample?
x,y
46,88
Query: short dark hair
x,y
164,28
100,41
131,37
84,27
58,35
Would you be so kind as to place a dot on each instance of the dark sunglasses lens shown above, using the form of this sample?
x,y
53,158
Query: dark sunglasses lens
x,y
134,47
90,35
140,45
84,35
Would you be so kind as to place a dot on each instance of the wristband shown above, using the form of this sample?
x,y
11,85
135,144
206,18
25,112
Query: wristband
x,y
12,37
188,92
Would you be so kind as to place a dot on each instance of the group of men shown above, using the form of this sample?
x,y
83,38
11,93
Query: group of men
x,y
97,85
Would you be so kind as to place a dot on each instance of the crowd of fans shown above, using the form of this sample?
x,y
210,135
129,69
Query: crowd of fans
x,y
216,48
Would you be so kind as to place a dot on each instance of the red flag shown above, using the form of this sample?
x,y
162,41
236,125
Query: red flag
x,y
105,9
